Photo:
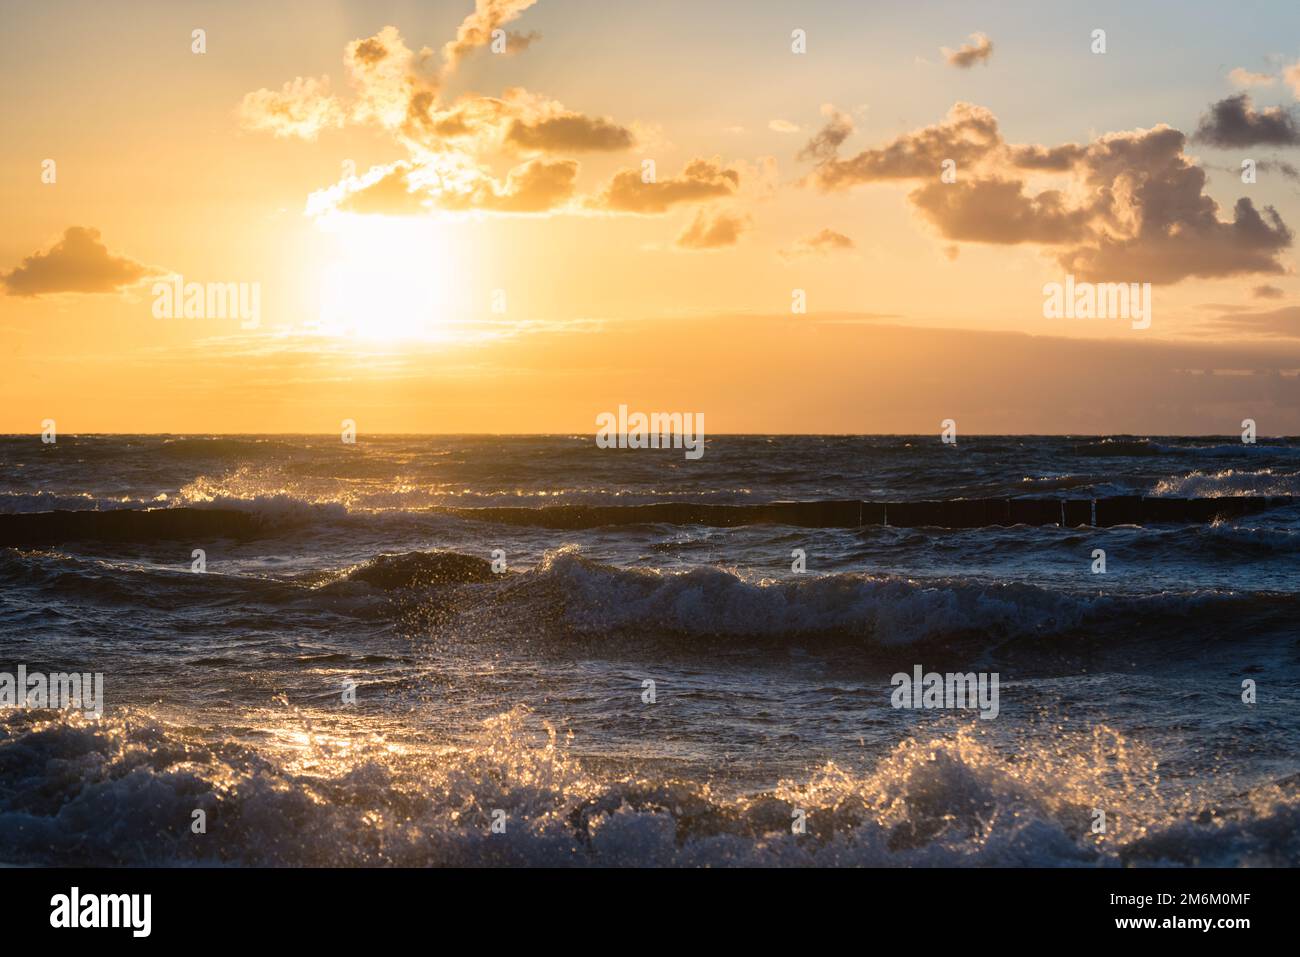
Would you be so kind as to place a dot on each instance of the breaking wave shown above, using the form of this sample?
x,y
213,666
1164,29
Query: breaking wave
x,y
124,790
1230,482
568,595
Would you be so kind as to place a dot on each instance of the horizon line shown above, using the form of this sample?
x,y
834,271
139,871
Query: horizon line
x,y
569,433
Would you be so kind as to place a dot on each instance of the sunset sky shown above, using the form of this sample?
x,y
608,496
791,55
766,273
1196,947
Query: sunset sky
x,y
387,179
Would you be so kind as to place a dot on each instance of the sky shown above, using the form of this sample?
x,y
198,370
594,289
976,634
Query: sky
x,y
511,216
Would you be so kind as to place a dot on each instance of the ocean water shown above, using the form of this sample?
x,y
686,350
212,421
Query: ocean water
x,y
520,696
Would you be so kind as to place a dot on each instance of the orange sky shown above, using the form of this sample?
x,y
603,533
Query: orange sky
x,y
447,238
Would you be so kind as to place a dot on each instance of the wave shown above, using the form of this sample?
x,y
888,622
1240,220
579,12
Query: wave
x,y
421,570
224,447
589,598
164,591
1219,539
1048,483
1135,447
1230,483
1281,447
953,798
11,502
569,596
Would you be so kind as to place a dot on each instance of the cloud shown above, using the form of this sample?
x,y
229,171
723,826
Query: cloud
x,y
1057,159
977,51
391,81
569,132
1267,292
517,121
1278,166
451,147
79,262
782,126
1291,75
407,188
967,134
1233,122
712,230
1132,205
996,210
700,181
1281,167
822,243
536,186
827,140
1154,220
476,29
1169,248
1240,76
302,108
519,42
390,193
1281,323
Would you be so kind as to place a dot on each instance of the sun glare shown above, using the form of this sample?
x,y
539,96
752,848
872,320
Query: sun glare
x,y
388,280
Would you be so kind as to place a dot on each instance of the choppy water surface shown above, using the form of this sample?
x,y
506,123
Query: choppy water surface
x,y
523,691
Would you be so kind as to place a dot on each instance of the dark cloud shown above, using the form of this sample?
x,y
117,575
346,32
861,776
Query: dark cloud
x,y
1277,166
1233,122
1267,166
999,211
1137,211
78,262
1154,221
1267,292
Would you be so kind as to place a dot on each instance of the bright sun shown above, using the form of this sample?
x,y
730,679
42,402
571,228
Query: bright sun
x,y
388,281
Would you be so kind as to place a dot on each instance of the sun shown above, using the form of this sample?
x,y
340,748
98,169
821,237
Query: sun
x,y
389,279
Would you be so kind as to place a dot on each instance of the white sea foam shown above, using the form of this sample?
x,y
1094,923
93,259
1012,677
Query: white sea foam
x,y
950,799
1229,482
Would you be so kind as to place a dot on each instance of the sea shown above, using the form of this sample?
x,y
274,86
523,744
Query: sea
x,y
366,673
